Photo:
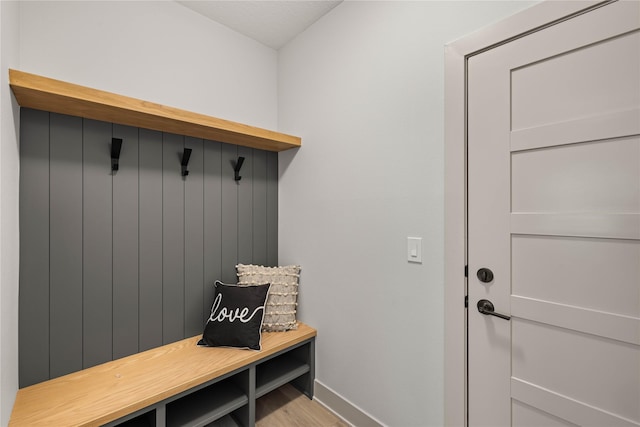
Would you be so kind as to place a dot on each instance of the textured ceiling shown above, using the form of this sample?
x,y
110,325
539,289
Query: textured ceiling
x,y
272,23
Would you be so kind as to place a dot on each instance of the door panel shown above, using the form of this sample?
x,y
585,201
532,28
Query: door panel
x,y
554,212
571,364
565,408
547,91
609,287
578,177
527,416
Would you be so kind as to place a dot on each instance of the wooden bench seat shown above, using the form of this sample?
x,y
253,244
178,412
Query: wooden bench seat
x,y
116,389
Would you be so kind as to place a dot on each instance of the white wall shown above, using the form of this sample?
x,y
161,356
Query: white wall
x,y
158,51
364,87
9,238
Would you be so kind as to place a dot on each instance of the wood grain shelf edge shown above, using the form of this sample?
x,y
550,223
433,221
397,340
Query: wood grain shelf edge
x,y
43,93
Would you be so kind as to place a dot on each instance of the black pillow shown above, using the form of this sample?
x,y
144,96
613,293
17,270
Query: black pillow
x,y
236,317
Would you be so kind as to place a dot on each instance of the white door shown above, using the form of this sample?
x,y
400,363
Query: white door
x,y
554,214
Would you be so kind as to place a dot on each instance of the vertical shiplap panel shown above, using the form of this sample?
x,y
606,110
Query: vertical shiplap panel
x,y
212,221
272,208
245,207
229,202
150,239
96,243
65,244
144,240
259,207
172,239
125,245
34,247
194,239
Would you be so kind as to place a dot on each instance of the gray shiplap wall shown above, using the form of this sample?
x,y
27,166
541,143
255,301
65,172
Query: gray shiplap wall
x,y
112,264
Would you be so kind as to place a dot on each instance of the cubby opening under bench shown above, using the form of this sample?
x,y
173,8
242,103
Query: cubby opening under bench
x,y
178,384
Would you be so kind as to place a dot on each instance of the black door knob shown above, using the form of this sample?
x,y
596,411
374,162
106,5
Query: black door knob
x,y
486,307
485,275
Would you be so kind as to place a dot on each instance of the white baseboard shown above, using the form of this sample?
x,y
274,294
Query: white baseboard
x,y
342,408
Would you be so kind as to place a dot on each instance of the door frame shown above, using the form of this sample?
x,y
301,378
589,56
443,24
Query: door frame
x,y
457,52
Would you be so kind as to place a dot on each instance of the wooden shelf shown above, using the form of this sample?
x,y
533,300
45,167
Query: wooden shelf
x,y
207,405
276,372
105,393
43,93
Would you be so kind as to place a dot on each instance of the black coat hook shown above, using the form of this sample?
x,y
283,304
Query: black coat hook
x,y
237,167
116,147
185,161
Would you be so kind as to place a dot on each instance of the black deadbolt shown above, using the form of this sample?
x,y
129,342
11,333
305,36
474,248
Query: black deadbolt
x,y
485,275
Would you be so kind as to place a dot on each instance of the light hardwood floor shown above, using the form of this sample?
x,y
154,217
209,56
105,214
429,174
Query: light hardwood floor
x,y
287,407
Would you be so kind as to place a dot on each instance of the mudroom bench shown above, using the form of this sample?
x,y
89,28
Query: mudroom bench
x,y
178,384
